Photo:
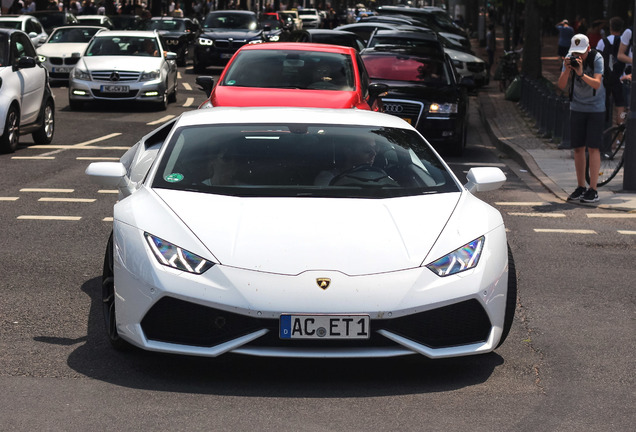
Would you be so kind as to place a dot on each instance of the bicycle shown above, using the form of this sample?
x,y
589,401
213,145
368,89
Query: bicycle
x,y
612,154
507,69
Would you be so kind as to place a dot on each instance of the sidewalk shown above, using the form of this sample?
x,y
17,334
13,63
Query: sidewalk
x,y
513,133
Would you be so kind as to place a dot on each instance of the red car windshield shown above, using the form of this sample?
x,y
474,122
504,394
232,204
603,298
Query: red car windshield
x,y
291,69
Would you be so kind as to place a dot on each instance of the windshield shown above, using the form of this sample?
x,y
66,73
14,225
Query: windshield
x,y
291,69
123,46
301,160
72,35
230,21
401,67
10,25
170,25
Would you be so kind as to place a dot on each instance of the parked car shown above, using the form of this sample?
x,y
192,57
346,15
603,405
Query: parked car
x,y
96,20
26,100
63,49
310,18
292,19
246,253
26,23
54,18
328,36
124,65
223,33
294,74
424,90
467,65
177,34
126,22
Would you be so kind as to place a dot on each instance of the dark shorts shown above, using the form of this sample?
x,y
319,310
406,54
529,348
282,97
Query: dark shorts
x,y
586,129
616,91
563,50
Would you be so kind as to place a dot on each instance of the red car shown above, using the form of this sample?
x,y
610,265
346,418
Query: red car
x,y
294,75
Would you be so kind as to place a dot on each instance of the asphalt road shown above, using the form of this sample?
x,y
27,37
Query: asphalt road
x,y
567,365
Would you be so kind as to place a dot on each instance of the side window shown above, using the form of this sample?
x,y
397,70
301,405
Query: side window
x,y
24,47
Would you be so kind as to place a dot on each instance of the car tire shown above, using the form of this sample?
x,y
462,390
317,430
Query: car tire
x,y
163,104
11,133
108,300
511,298
172,97
44,135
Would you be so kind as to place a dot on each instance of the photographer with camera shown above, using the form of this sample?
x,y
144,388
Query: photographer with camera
x,y
583,70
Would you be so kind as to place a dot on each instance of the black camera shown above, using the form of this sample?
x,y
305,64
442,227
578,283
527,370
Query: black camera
x,y
575,62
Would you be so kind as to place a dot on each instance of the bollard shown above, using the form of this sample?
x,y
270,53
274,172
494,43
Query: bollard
x,y
550,116
540,107
565,142
558,119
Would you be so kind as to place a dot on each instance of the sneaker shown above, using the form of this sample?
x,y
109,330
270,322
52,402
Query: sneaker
x,y
590,196
577,194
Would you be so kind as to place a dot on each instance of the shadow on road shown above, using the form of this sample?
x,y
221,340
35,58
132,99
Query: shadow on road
x,y
236,375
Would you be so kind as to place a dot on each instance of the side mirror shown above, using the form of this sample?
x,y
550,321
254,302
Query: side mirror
x,y
377,90
108,174
484,179
205,83
26,62
171,55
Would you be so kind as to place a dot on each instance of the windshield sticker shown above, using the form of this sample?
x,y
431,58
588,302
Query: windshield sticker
x,y
174,178
231,82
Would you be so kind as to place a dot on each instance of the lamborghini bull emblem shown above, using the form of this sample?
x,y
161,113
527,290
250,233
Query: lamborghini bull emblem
x,y
323,283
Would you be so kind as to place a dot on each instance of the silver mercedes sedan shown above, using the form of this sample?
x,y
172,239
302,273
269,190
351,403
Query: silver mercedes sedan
x,y
124,66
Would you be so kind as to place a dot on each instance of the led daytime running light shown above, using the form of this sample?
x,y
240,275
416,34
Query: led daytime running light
x,y
464,258
173,256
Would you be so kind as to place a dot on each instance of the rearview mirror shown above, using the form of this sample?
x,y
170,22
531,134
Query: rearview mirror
x,y
484,179
205,83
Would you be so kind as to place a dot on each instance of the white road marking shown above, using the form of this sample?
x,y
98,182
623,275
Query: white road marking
x,y
612,216
33,157
47,190
108,191
187,86
544,215
104,138
107,219
75,200
627,232
98,158
564,231
70,147
60,218
9,198
189,101
161,120
522,203
178,75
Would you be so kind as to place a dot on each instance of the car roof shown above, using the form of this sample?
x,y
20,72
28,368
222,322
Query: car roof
x,y
277,115
412,34
232,11
15,17
300,46
133,33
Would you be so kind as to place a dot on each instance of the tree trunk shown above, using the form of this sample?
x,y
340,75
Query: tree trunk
x,y
531,65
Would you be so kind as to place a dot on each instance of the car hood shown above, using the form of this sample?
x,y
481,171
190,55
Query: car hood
x,y
170,34
124,63
231,33
242,97
462,56
415,91
62,49
292,235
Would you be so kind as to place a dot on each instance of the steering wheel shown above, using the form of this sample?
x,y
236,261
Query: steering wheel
x,y
364,174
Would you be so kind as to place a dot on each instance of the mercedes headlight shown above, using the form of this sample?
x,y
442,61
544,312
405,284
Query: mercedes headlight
x,y
81,74
173,256
459,260
150,75
447,108
205,42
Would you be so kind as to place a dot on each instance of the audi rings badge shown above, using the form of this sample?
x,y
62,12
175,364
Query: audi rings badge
x,y
392,108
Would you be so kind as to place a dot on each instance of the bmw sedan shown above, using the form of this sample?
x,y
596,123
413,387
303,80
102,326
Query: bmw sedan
x,y
177,34
298,232
124,66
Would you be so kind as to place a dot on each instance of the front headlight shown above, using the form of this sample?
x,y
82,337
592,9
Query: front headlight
x,y
205,42
173,256
458,64
81,74
447,108
151,75
274,38
41,58
257,41
464,258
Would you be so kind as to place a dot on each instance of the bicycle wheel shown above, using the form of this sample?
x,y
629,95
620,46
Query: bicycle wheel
x,y
611,149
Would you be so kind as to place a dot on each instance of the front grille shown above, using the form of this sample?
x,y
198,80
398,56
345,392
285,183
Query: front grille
x,y
58,61
176,321
124,76
54,75
476,67
402,108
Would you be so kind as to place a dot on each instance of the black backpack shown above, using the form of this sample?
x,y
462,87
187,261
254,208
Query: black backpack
x,y
613,68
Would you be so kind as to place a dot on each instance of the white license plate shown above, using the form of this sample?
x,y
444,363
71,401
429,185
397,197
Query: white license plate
x,y
62,69
324,327
114,89
226,55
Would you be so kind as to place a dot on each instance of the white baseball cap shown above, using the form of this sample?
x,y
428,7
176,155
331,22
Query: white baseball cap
x,y
580,43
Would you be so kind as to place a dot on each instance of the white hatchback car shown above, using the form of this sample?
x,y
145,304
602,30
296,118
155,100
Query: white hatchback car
x,y
124,65
28,24
26,100
302,232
